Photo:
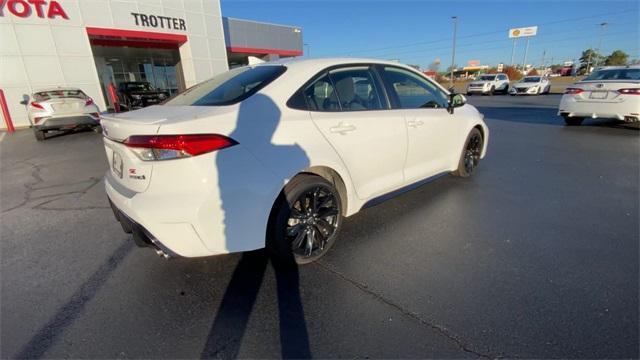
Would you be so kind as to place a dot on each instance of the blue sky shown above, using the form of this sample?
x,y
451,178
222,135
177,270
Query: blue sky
x,y
418,32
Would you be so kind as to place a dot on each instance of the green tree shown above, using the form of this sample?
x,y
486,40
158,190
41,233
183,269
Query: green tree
x,y
617,57
588,59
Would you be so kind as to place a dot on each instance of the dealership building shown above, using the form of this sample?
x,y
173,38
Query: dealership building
x,y
90,44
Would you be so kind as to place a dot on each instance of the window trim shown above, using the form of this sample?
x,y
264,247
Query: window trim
x,y
396,101
381,87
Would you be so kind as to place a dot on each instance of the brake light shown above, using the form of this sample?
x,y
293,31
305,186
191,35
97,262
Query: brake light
x,y
629,91
165,147
88,102
573,91
36,105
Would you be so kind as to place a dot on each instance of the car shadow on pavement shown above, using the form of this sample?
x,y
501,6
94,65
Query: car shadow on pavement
x,y
257,121
47,335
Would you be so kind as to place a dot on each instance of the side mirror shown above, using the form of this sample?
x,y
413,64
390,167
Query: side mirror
x,y
455,100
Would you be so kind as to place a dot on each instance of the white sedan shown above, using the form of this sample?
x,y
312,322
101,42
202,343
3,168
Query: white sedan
x,y
611,92
531,85
276,155
60,108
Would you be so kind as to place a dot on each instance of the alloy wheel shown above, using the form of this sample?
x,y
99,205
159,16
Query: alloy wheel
x,y
472,153
312,222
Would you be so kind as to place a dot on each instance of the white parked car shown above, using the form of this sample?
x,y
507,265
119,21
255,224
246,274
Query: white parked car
x,y
611,92
489,84
531,85
277,154
61,109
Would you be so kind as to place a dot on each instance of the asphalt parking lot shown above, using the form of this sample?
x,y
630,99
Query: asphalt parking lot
x,y
535,256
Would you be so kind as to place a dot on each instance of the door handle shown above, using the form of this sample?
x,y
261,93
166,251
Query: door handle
x,y
415,123
342,128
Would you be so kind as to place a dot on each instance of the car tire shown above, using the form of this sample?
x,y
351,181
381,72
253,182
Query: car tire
x,y
573,121
39,134
506,90
305,220
97,129
470,156
469,93
492,91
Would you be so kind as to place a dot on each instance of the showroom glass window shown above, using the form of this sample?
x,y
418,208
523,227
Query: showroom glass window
x,y
229,87
413,91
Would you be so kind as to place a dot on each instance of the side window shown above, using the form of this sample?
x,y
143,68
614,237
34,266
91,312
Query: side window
x,y
356,89
412,91
321,96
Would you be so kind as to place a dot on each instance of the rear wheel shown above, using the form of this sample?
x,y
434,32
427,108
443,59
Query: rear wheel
x,y
506,90
573,121
39,134
470,156
305,222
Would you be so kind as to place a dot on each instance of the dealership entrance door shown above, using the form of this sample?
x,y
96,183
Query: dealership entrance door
x,y
131,56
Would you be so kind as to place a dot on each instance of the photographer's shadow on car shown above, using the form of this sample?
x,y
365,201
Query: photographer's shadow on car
x,y
257,121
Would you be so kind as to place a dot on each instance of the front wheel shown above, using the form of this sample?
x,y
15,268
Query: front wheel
x,y
470,156
305,221
492,91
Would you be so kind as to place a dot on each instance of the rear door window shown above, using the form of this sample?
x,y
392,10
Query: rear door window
x,y
356,89
230,87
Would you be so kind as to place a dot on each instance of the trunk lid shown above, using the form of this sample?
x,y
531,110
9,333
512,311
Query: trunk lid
x,y
125,167
63,106
603,90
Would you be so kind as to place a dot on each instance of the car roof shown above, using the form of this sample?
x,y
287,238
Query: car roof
x,y
332,61
634,66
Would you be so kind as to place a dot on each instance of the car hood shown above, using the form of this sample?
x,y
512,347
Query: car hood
x,y
480,82
151,92
526,85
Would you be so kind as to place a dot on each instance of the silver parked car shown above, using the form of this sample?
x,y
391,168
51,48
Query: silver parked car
x,y
61,109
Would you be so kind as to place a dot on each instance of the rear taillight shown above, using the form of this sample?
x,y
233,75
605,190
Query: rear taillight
x,y
629,91
88,102
573,91
36,105
166,147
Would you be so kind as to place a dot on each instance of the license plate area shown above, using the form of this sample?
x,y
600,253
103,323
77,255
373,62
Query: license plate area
x,y
116,164
598,95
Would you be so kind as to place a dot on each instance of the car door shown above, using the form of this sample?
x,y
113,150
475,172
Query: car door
x,y
431,130
349,107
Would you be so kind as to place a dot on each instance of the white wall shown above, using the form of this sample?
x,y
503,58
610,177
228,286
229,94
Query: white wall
x,y
41,52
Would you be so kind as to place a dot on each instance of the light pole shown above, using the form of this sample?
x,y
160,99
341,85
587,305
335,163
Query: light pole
x,y
453,52
603,29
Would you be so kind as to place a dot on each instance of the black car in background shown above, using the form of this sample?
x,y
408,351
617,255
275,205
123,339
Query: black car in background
x,y
139,94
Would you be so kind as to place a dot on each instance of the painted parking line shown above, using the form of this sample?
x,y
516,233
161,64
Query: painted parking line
x,y
2,136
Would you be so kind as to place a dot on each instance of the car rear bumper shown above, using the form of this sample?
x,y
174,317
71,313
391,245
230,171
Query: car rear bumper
x,y
50,123
628,111
211,204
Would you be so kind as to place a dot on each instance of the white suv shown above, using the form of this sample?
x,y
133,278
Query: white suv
x,y
489,84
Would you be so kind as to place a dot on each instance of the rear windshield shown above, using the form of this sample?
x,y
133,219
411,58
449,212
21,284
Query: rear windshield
x,y
615,74
532,79
230,87
59,94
